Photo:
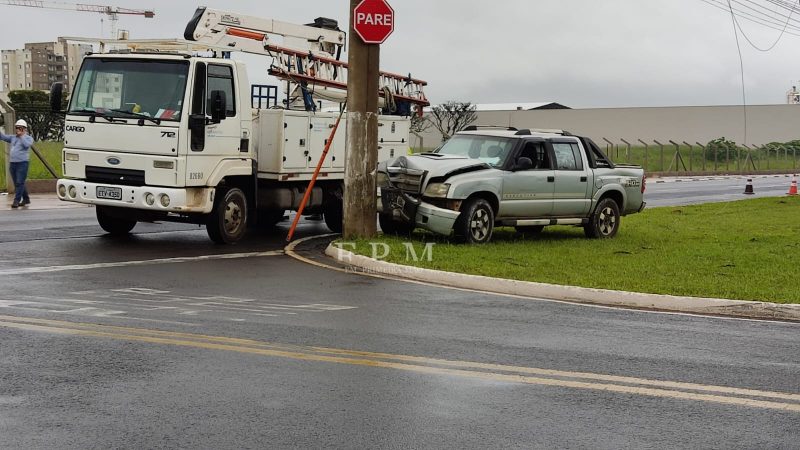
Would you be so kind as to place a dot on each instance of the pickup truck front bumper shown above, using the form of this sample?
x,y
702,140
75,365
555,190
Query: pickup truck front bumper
x,y
181,200
405,208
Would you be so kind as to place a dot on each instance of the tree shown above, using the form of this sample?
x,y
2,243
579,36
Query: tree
x,y
419,124
34,108
451,117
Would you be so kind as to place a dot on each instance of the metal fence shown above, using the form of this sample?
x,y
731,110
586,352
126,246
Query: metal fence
x,y
681,157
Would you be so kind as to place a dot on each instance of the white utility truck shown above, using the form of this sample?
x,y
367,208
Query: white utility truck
x,y
173,131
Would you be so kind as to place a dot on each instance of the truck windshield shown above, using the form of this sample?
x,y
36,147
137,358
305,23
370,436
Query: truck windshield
x,y
489,149
130,88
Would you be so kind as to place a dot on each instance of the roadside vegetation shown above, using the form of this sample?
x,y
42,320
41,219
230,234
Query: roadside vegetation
x,y
50,150
745,250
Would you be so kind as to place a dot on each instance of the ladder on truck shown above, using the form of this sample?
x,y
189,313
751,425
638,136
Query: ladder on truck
x,y
314,70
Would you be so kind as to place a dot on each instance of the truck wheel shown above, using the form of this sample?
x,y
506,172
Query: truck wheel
x,y
391,226
228,221
113,225
334,215
475,223
604,222
530,229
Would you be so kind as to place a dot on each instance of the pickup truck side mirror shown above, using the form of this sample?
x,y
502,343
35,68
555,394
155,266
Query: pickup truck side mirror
x,y
56,97
218,106
523,163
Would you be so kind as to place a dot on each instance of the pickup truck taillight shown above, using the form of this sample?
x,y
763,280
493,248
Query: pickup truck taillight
x,y
644,183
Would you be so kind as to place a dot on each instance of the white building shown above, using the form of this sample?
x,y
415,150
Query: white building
x,y
39,65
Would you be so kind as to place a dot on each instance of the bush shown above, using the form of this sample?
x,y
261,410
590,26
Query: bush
x,y
722,148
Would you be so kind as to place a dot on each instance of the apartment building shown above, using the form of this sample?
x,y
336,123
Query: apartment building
x,y
40,64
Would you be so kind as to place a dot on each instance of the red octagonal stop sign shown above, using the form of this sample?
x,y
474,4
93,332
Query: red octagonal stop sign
x,y
373,21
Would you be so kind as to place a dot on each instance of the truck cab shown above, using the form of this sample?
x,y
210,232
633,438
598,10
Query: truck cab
x,y
149,136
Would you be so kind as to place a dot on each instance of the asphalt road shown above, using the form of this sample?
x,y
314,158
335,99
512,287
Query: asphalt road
x,y
164,340
696,190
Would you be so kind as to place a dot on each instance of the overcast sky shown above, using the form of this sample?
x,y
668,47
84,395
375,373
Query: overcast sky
x,y
581,53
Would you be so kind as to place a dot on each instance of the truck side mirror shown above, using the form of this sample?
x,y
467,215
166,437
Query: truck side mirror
x,y
218,106
523,163
56,97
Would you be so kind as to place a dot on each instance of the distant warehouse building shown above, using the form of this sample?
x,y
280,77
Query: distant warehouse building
x,y
764,124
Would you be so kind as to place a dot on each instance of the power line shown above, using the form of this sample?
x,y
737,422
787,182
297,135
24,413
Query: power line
x,y
737,25
751,18
741,67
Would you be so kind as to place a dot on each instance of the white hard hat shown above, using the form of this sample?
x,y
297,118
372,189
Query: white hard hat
x,y
21,123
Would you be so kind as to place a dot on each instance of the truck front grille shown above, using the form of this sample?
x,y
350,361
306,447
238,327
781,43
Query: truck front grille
x,y
407,180
106,175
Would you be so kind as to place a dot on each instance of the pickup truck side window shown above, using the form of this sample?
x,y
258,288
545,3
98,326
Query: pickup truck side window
x,y
220,78
567,156
537,153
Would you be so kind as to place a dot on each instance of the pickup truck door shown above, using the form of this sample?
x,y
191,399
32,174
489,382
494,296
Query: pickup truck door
x,y
573,186
529,193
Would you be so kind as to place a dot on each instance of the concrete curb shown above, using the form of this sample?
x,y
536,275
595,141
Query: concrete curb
x,y
634,300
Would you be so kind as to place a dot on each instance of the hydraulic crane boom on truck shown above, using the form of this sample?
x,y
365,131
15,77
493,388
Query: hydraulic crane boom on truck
x,y
160,130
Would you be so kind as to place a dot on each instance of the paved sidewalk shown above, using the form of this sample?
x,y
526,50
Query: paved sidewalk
x,y
39,201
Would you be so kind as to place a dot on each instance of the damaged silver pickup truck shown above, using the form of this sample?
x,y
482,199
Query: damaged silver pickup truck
x,y
486,177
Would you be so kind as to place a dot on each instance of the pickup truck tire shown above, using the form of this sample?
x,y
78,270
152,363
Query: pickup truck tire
x,y
530,229
475,223
113,225
391,226
227,222
604,222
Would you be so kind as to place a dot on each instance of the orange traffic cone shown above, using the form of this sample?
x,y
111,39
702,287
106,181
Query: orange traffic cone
x,y
793,188
749,188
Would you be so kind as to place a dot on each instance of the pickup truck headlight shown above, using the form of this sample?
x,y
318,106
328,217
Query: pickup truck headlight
x,y
382,179
439,190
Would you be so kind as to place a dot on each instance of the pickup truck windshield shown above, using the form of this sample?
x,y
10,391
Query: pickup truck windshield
x,y
130,88
489,149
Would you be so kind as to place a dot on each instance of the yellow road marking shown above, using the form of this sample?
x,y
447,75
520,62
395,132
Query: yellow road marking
x,y
465,369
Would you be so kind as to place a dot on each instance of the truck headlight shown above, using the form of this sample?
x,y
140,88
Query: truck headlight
x,y
150,199
72,192
164,200
62,190
437,190
71,156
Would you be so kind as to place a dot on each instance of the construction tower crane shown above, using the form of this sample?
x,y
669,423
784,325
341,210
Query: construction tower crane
x,y
112,12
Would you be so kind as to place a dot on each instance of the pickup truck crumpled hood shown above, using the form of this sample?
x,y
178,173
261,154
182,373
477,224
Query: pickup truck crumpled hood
x,y
436,165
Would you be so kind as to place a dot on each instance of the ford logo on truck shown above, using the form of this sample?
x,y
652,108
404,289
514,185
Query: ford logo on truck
x,y
76,128
113,161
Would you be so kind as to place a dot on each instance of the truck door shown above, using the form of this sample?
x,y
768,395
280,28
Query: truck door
x,y
572,187
529,193
210,141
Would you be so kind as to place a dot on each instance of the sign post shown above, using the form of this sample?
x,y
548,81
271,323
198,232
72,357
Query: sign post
x,y
371,22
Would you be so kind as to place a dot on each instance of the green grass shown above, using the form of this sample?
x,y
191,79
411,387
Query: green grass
x,y
52,153
746,250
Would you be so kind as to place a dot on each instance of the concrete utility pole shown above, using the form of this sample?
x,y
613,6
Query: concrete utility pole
x,y
360,213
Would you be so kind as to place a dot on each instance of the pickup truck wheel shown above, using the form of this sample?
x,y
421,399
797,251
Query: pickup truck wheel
x,y
391,226
228,221
604,222
530,229
113,225
475,223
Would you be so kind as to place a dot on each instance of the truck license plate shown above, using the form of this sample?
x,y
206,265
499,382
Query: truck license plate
x,y
110,193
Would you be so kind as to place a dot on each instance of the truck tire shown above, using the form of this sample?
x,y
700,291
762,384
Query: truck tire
x,y
227,222
391,226
533,230
113,225
334,215
475,223
604,222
